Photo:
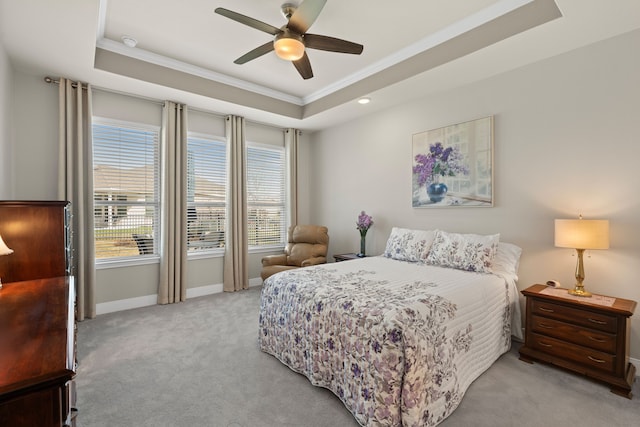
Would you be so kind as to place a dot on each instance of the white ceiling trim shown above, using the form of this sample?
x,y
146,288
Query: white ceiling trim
x,y
174,64
448,33
482,17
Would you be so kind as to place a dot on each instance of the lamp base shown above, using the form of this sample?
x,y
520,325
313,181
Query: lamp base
x,y
579,291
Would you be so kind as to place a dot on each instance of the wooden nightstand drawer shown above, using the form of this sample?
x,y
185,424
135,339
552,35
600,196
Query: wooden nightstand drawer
x,y
600,321
587,336
578,335
585,356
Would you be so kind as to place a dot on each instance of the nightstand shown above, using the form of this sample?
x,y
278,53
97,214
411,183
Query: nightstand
x,y
345,257
589,336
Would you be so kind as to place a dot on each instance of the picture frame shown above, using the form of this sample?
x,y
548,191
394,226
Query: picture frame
x,y
453,165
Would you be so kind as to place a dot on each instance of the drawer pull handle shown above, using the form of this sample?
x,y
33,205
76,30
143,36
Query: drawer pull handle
x,y
548,310
595,360
597,322
596,339
546,345
542,325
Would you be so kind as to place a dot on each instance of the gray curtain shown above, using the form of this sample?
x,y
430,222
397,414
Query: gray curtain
x,y
75,184
236,270
291,141
173,241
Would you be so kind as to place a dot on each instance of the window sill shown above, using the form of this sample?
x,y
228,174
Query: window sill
x,y
265,249
103,264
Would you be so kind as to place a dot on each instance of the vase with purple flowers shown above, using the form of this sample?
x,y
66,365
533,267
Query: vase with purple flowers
x,y
363,224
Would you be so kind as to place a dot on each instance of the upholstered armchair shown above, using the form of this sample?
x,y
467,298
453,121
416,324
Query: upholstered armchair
x,y
307,245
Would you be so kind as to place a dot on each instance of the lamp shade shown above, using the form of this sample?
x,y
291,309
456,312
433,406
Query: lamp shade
x,y
582,233
4,249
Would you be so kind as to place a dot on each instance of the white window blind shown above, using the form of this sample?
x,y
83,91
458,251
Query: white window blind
x,y
126,188
206,192
266,197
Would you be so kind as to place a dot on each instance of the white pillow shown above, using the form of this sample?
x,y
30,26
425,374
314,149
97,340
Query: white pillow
x,y
409,245
469,252
507,259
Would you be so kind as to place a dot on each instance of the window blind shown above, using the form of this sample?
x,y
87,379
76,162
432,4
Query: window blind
x,y
266,197
126,188
206,192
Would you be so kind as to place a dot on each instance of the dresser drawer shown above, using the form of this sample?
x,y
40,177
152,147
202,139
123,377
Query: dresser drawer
x,y
585,337
578,316
585,356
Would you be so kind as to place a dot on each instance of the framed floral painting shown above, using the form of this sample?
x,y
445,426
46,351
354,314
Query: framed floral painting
x,y
453,165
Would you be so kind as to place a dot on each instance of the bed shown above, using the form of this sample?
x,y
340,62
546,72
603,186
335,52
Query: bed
x,y
398,338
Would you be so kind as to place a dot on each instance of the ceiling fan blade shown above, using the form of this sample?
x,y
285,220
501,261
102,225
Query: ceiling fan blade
x,y
332,44
255,53
304,67
305,15
254,23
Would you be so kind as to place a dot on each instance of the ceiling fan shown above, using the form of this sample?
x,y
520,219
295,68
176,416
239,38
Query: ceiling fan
x,y
292,38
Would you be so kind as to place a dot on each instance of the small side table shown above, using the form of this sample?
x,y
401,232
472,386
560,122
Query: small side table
x,y
345,257
588,336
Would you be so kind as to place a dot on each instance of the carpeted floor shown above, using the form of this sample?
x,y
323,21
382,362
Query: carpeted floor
x,y
197,363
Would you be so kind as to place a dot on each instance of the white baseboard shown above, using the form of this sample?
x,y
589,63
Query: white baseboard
x,y
126,304
148,300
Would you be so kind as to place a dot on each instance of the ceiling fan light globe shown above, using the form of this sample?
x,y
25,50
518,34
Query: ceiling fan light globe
x,y
288,48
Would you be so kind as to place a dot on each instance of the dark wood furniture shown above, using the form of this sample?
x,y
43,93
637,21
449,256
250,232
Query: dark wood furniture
x,y
581,336
37,353
39,234
345,257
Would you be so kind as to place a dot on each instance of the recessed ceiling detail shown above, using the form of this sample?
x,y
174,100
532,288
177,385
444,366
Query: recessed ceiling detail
x,y
265,83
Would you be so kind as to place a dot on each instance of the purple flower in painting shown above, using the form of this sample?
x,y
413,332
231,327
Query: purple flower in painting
x,y
439,161
364,223
347,305
377,347
308,317
366,394
319,307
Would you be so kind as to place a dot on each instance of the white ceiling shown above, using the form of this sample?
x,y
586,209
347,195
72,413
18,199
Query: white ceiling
x,y
185,51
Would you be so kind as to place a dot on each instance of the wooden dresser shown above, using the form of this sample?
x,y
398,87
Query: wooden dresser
x,y
39,234
581,335
37,353
37,315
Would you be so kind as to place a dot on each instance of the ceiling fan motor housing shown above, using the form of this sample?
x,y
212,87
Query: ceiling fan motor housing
x,y
288,9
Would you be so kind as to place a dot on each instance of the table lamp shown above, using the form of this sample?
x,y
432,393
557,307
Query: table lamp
x,y
4,250
581,234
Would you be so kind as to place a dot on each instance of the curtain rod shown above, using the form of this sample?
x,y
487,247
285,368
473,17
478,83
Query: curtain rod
x,y
48,79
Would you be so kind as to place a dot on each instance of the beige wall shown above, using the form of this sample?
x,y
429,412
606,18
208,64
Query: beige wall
x,y
566,142
5,133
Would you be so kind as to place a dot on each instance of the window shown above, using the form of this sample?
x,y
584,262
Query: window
x,y
125,188
206,192
477,156
266,200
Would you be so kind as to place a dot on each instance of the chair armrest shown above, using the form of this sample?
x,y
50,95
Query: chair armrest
x,y
314,261
280,259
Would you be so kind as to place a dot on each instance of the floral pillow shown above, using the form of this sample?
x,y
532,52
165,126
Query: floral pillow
x,y
469,252
409,245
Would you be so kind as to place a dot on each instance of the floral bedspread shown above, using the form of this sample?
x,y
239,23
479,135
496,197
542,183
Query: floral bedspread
x,y
399,343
